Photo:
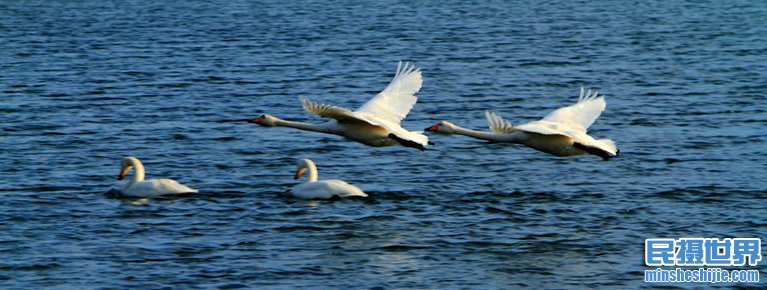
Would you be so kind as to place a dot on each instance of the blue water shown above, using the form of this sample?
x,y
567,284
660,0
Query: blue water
x,y
85,83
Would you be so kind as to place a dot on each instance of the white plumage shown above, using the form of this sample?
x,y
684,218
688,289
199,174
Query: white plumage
x,y
398,98
322,189
375,123
138,187
562,132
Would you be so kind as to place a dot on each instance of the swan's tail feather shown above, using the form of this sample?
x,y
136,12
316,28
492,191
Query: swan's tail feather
x,y
497,124
419,137
407,143
608,145
604,148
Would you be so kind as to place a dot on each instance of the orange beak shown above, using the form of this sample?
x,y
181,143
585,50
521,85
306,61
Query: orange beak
x,y
122,174
257,120
433,128
299,173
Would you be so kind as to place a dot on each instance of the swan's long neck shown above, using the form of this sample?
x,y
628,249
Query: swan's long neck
x,y
304,126
139,168
139,175
489,136
312,171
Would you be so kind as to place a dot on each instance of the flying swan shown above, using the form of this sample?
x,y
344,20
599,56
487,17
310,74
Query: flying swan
x,y
322,189
561,133
376,123
138,187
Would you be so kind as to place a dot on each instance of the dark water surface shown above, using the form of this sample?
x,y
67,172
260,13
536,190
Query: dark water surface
x,y
85,83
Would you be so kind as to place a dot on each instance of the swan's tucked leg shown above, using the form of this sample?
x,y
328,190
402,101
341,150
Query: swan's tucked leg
x,y
593,151
407,143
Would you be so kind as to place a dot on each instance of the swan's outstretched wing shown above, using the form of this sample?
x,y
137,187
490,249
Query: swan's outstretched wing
x,y
329,111
549,128
341,114
344,115
498,124
396,100
501,126
580,115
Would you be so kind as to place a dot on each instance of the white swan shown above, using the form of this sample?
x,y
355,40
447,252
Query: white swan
x,y
138,187
561,133
376,123
324,189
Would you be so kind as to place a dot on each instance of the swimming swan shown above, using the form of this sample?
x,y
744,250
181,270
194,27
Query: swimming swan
x,y
138,187
323,189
